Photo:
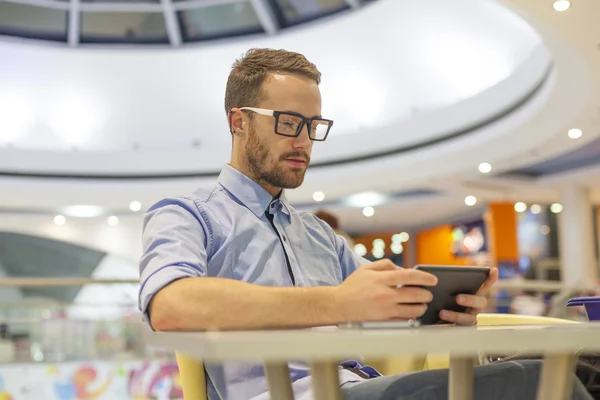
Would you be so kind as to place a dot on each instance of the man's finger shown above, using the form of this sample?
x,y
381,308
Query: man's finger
x,y
410,311
458,318
413,295
382,265
467,300
489,282
407,277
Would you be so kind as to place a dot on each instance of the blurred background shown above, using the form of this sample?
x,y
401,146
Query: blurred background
x,y
466,133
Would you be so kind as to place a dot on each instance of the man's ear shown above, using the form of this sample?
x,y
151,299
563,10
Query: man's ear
x,y
237,124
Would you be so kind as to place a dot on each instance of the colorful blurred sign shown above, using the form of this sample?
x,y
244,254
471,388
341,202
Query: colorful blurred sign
x,y
151,380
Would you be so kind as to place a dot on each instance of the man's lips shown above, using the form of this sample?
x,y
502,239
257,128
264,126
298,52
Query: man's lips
x,y
296,161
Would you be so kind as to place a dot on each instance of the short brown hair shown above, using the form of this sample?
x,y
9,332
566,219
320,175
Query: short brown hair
x,y
244,85
329,218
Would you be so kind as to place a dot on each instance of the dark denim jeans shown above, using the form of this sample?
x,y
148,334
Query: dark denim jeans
x,y
513,380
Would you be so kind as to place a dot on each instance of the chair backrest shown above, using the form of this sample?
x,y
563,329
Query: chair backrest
x,y
193,379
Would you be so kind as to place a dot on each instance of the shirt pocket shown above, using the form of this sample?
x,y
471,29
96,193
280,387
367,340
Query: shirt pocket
x,y
320,264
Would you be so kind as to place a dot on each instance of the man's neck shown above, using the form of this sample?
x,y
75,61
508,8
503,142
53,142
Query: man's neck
x,y
275,192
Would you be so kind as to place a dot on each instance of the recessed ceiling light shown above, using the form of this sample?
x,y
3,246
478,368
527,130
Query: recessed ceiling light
x,y
366,199
556,208
400,237
360,249
561,5
520,207
470,201
135,206
378,252
60,220
575,133
368,211
397,248
379,243
83,211
485,168
536,209
112,220
318,196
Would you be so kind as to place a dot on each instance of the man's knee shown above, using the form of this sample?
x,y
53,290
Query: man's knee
x,y
493,381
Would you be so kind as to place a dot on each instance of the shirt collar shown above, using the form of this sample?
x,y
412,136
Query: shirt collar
x,y
248,192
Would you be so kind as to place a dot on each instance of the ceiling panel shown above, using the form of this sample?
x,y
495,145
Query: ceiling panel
x,y
584,156
30,256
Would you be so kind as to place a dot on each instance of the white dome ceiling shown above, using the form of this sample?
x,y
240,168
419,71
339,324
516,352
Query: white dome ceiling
x,y
395,74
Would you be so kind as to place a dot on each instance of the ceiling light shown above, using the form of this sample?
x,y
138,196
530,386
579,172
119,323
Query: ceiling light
x,y
60,220
135,206
561,5
378,252
379,243
536,209
470,201
112,220
520,207
368,211
556,208
400,237
544,229
485,168
318,196
360,249
366,199
397,248
83,211
575,133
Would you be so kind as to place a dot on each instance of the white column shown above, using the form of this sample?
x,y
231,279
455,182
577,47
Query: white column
x,y
576,237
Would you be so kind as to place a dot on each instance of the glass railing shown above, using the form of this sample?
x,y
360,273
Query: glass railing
x,y
48,331
54,337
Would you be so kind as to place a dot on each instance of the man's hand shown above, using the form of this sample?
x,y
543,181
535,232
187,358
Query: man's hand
x,y
476,303
371,293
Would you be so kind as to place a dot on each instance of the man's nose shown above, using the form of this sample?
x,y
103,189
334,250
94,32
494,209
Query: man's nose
x,y
303,139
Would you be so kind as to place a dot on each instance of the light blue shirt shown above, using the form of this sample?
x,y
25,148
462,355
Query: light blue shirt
x,y
223,232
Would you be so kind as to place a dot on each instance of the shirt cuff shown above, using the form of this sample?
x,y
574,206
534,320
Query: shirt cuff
x,y
154,283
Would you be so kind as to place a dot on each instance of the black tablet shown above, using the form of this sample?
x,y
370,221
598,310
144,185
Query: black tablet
x,y
452,281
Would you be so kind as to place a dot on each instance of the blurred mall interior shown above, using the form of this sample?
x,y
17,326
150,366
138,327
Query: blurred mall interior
x,y
466,133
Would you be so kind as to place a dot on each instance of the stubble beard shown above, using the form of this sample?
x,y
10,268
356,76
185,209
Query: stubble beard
x,y
265,169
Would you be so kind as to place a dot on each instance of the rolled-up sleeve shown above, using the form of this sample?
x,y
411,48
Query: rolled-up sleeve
x,y
175,239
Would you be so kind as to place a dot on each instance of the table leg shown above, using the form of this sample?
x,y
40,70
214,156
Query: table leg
x,y
460,383
326,380
278,377
556,380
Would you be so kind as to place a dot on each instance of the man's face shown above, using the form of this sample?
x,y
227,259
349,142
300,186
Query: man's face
x,y
276,160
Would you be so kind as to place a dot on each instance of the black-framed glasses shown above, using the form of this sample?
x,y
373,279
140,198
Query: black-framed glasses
x,y
291,124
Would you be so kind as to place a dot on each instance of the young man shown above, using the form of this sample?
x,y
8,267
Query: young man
x,y
251,261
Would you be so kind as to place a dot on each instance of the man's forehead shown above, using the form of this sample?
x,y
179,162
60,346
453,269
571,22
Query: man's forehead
x,y
287,86
285,77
